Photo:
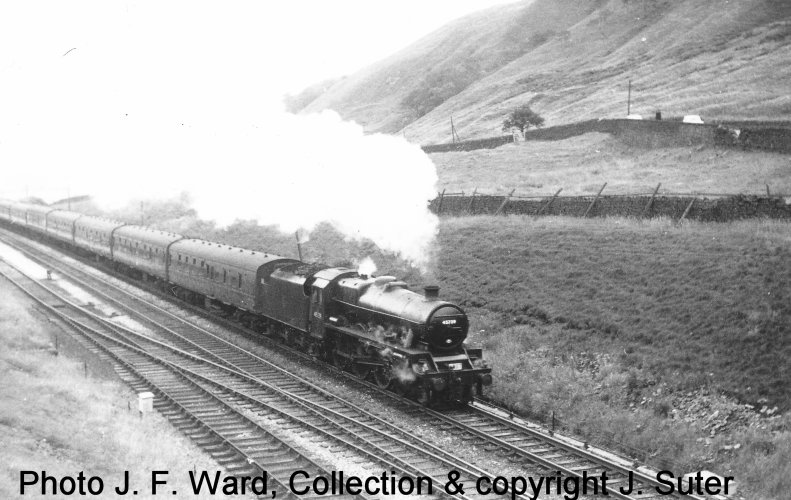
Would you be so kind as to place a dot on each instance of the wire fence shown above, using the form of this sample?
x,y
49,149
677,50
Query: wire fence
x,y
715,207
552,423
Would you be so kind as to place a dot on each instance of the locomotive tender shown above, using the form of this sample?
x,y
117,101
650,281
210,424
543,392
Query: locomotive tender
x,y
374,327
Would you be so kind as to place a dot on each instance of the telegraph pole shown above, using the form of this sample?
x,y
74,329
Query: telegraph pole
x,y
629,100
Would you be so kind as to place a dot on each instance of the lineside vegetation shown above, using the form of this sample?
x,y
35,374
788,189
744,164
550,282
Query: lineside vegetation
x,y
53,418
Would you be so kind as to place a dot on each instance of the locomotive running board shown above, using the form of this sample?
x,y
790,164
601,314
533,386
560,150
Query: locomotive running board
x,y
363,336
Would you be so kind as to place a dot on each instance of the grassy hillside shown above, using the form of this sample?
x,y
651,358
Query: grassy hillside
x,y
581,165
396,91
691,305
629,332
572,61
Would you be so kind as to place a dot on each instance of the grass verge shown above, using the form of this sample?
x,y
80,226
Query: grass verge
x,y
55,419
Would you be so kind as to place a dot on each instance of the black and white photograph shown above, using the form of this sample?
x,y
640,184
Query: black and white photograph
x,y
457,249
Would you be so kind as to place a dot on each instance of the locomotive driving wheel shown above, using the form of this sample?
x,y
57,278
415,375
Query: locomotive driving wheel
x,y
383,376
424,395
342,362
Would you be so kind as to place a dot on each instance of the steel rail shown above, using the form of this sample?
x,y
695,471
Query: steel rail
x,y
162,382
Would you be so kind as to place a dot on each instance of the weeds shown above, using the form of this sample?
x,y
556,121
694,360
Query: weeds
x,y
52,418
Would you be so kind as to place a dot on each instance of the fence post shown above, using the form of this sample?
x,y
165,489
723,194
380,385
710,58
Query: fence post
x,y
650,201
684,215
546,207
441,198
472,200
594,200
505,202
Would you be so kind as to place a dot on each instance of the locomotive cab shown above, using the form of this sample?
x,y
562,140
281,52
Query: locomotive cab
x,y
319,287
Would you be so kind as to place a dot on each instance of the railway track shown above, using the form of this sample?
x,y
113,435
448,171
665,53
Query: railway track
x,y
240,445
294,406
478,425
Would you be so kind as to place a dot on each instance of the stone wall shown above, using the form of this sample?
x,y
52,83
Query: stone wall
x,y
486,143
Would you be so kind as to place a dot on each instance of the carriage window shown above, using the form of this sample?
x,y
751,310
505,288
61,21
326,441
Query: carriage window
x,y
224,275
179,257
240,280
194,261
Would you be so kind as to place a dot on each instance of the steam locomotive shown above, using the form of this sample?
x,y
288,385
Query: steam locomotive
x,y
374,327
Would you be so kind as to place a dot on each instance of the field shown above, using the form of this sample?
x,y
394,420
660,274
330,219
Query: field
x,y
629,332
54,418
581,165
692,305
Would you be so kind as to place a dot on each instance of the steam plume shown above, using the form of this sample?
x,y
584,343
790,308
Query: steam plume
x,y
367,267
116,119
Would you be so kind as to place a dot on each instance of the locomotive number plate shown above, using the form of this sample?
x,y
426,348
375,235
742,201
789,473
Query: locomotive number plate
x,y
454,366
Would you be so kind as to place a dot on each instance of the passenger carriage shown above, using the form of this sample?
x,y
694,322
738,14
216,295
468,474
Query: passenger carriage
x,y
144,250
95,234
60,225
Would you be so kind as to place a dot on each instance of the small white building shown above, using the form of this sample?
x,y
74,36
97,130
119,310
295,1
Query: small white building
x,y
692,119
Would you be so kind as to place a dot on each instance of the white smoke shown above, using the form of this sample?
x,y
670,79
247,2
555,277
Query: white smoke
x,y
366,267
134,112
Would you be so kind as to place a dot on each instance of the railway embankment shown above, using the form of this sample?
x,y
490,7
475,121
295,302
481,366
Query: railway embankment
x,y
55,418
644,335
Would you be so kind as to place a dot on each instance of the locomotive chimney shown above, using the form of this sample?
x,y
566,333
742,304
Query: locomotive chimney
x,y
431,292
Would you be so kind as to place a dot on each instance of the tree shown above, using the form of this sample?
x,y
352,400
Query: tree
x,y
522,118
